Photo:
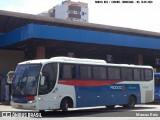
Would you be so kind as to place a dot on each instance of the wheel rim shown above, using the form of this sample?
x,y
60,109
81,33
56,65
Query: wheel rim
x,y
66,105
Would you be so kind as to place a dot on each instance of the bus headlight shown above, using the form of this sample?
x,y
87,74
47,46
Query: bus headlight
x,y
32,101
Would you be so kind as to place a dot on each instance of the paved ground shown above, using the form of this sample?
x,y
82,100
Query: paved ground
x,y
142,112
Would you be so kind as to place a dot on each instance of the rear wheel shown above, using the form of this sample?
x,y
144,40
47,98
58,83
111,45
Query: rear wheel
x,y
131,102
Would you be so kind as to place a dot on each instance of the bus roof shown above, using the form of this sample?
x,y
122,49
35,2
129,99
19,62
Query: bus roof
x,y
79,61
69,59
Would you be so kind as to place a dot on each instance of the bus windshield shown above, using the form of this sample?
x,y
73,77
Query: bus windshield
x,y
25,80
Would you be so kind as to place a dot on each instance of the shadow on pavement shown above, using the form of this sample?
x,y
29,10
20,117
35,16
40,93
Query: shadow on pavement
x,y
154,103
95,112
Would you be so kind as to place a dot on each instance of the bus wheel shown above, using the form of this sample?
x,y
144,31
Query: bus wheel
x,y
110,106
131,102
64,105
41,111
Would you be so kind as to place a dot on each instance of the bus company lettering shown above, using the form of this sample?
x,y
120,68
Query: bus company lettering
x,y
122,87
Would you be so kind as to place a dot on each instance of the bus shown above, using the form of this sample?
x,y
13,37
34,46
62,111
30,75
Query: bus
x,y
157,87
61,83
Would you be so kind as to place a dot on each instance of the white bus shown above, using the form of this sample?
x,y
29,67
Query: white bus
x,y
61,83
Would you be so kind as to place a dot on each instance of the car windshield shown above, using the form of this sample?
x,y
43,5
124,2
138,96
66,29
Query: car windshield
x,y
25,80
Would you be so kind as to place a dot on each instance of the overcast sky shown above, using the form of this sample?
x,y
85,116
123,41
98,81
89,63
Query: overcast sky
x,y
144,16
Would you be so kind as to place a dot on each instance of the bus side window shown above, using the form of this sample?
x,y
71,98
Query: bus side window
x,y
127,74
136,74
113,73
148,74
85,72
99,73
67,71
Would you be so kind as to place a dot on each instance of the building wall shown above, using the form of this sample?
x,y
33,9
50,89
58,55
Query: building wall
x,y
9,60
84,14
61,12
76,11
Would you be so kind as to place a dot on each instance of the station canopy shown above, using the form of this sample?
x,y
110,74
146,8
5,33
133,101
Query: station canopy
x,y
10,21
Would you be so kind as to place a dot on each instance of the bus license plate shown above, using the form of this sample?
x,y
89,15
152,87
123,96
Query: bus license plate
x,y
20,106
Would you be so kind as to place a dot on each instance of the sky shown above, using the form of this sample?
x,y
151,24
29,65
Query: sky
x,y
143,16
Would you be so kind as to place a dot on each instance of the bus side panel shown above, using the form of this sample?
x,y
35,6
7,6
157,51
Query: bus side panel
x,y
66,91
116,94
128,90
92,96
54,98
120,93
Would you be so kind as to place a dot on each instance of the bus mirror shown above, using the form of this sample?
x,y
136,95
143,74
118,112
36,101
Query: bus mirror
x,y
10,76
42,80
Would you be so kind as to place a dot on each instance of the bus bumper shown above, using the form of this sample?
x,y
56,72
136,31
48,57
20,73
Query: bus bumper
x,y
26,106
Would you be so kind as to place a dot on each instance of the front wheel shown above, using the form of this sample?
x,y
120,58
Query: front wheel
x,y
64,105
41,111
